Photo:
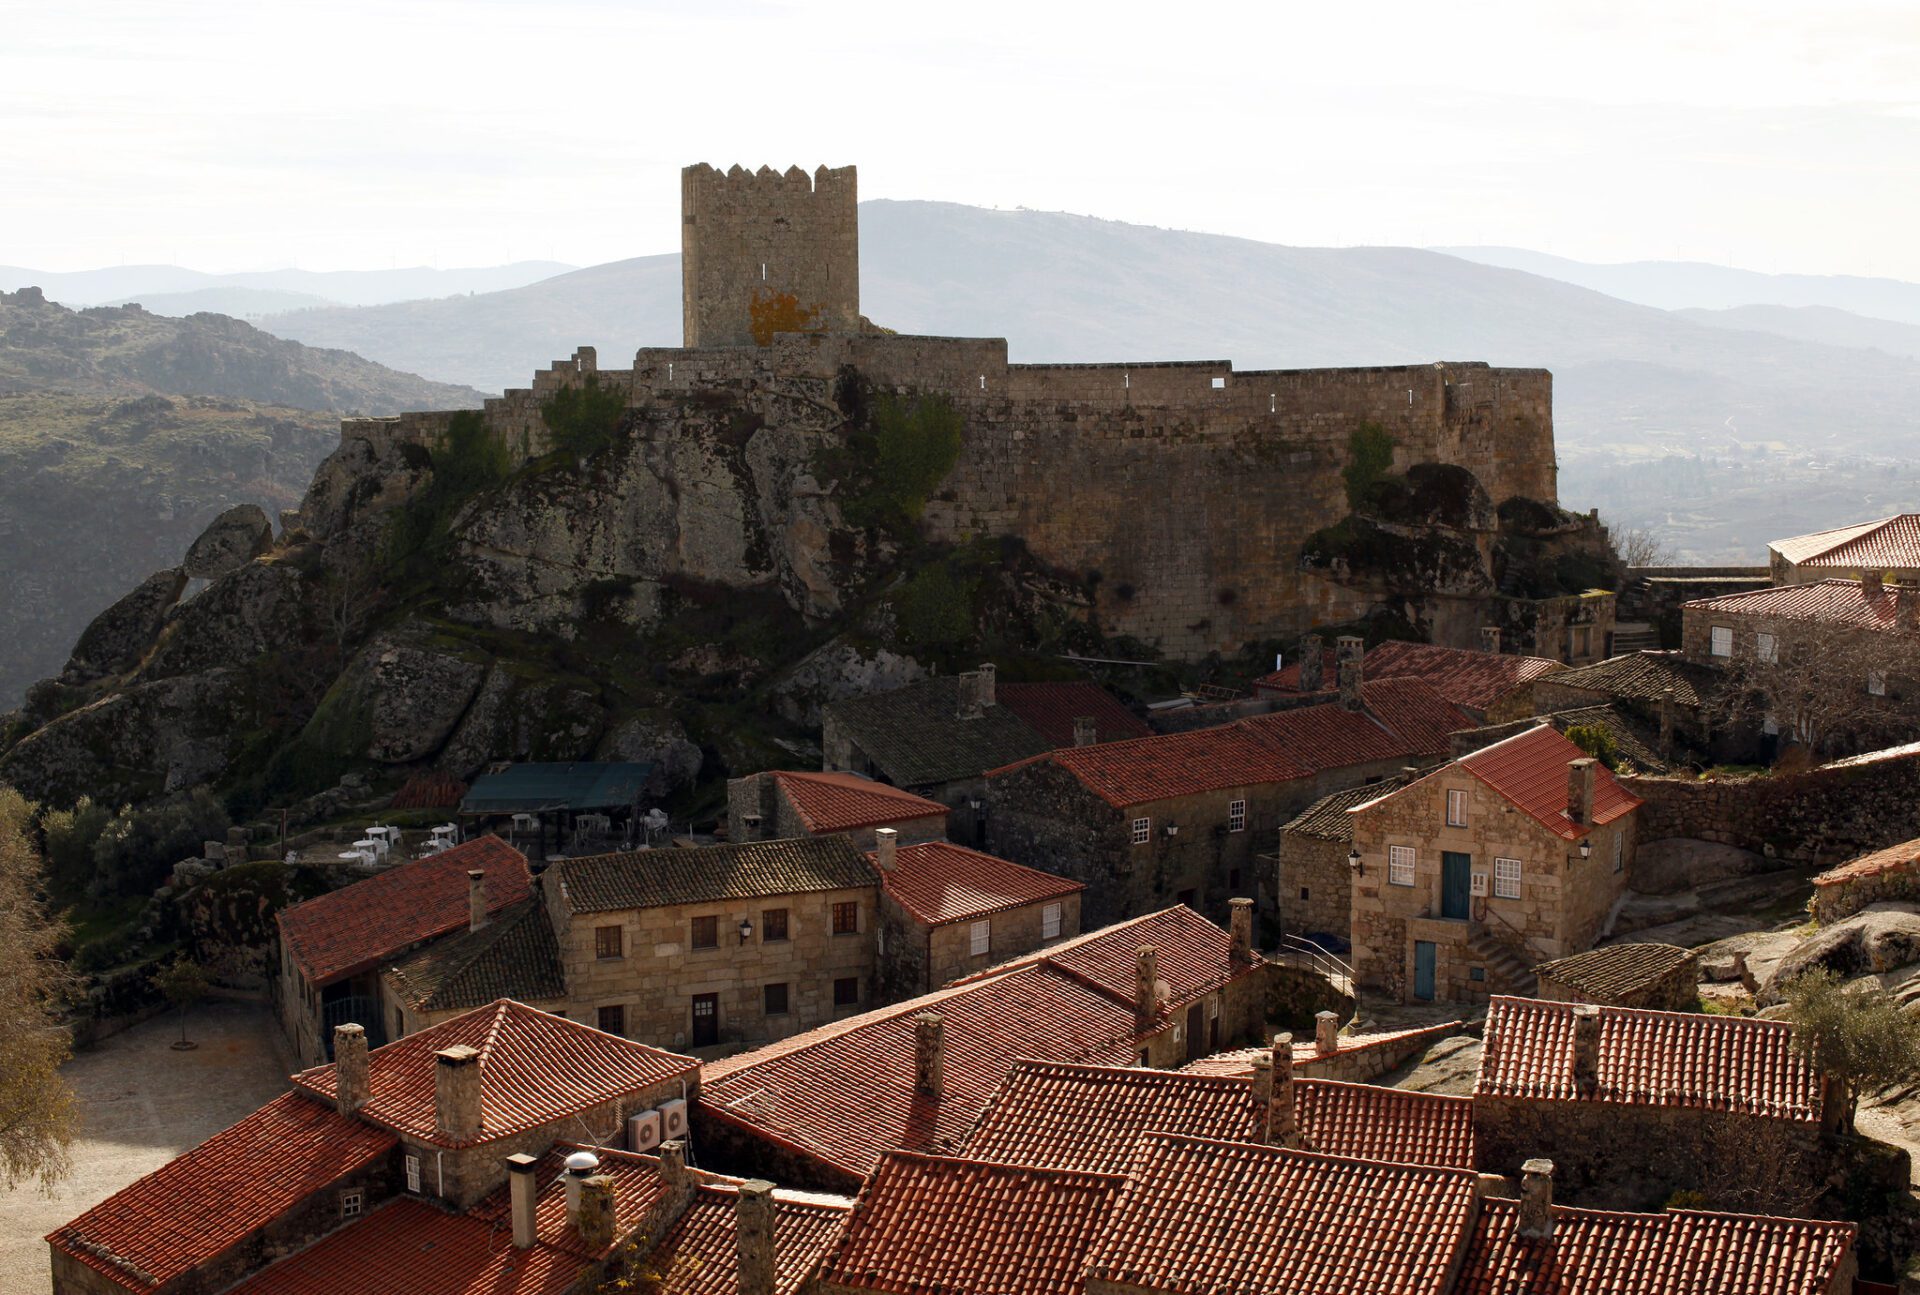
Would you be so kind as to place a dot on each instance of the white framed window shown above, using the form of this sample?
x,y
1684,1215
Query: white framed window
x,y
351,1204
1720,640
1142,830
1456,808
1236,816
413,1174
981,936
1877,683
1400,865
1766,647
1506,878
1050,922
1619,851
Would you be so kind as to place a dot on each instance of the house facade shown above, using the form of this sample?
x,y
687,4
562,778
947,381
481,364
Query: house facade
x,y
781,803
1471,874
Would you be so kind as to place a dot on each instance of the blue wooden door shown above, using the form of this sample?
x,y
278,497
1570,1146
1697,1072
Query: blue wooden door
x,y
1423,964
1456,880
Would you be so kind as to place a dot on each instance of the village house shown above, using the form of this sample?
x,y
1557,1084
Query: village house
x,y
1661,977
332,947
1662,695
1625,744
785,803
1314,876
511,954
940,736
1471,874
1890,545
1186,817
1767,624
716,944
947,911
1491,686
822,1108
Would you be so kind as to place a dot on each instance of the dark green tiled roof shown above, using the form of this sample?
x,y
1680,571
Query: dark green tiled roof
x,y
1327,818
916,738
604,883
513,956
535,788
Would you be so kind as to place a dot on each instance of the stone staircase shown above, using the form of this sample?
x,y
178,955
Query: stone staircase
x,y
1634,636
1506,973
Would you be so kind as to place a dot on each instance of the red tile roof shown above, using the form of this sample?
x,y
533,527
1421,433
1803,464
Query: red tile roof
x,y
357,927
1903,857
1828,602
534,1068
1049,709
1647,1058
939,882
700,1254
1061,1115
1372,1123
1460,675
842,802
959,1227
1680,1252
1415,709
1199,1217
195,1207
1883,544
1530,770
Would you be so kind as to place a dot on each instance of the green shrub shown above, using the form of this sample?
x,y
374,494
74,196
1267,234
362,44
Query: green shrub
x,y
904,451
1597,742
934,609
585,419
134,852
70,836
469,459
1369,458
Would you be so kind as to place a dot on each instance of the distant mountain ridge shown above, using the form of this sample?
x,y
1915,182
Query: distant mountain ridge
x,y
122,283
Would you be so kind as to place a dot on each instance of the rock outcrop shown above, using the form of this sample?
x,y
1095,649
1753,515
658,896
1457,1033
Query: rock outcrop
x,y
235,538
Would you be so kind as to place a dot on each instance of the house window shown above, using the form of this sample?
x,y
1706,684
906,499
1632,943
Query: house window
x,y
706,932
773,925
606,942
1506,878
846,991
1237,816
352,1202
1619,851
613,1020
980,935
1877,683
1721,640
1050,922
846,918
1142,830
1456,808
776,1000
413,1174
1766,647
1303,894
1399,865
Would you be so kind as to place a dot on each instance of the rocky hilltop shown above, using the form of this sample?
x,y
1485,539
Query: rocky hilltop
x,y
122,434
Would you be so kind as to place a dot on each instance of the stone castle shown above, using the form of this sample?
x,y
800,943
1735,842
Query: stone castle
x,y
1181,493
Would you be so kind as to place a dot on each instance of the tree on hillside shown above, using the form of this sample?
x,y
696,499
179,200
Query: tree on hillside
x,y
1861,1036
36,1106
1830,688
1639,546
184,984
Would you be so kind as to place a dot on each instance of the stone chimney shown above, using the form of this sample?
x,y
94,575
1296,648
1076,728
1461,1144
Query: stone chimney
x,y
1282,1130
1667,716
350,1083
1313,663
1586,1047
987,673
1906,604
1870,582
522,1194
1348,654
1240,929
1581,778
1490,638
581,1165
753,1220
597,1212
1326,1033
1536,1200
1146,983
1086,731
673,1169
886,841
929,1054
456,1091
1262,1086
476,899
967,702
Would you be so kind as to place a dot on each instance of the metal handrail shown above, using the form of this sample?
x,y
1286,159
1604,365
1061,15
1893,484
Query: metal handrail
x,y
1318,959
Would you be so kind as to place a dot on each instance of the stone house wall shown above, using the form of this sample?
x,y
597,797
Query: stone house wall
x,y
1696,642
657,975
916,958
760,794
1562,907
1676,991
297,1009
1315,886
1836,901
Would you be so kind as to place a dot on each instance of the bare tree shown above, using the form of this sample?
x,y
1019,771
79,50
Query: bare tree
x,y
36,1106
1640,546
1831,688
348,593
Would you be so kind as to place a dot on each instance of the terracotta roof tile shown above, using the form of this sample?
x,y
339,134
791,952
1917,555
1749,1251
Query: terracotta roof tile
x,y
1049,709
939,882
960,1227
1460,675
353,929
1648,1058
514,956
603,883
1530,770
1904,857
534,1068
1061,1115
1643,676
195,1207
1680,1252
842,802
700,1254
637,1189
1615,969
1829,602
1883,544
1193,956
1368,1122
1198,1217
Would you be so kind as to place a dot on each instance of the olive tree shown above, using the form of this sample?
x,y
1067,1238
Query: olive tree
x,y
1858,1036
36,1106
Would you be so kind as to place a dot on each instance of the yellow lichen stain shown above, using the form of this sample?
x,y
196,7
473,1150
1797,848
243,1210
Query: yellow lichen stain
x,y
779,312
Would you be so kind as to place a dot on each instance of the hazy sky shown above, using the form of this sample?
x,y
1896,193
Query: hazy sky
x,y
1775,134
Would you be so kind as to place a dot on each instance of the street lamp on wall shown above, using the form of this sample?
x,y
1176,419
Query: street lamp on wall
x,y
1355,862
746,930
1585,850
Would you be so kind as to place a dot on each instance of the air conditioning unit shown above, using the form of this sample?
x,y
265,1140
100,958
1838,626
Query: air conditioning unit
x,y
673,1118
643,1131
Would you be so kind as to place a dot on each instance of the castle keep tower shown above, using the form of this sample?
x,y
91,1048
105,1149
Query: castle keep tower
x,y
763,252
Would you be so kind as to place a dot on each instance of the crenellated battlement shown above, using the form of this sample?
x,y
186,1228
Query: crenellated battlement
x,y
764,252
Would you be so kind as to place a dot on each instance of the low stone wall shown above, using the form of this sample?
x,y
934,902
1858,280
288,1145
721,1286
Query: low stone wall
x,y
1839,900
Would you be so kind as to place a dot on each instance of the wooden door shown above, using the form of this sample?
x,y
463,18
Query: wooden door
x,y
1424,959
706,1019
1456,885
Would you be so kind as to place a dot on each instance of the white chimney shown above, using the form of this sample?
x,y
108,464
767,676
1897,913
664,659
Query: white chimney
x,y
476,899
886,842
581,1165
522,1193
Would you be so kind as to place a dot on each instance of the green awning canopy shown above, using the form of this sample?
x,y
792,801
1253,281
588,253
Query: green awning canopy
x,y
542,788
